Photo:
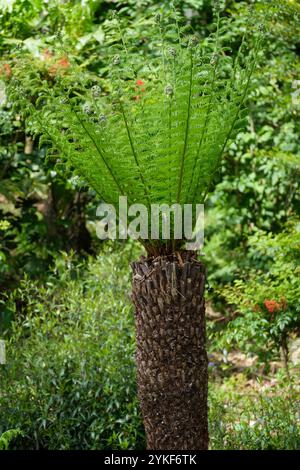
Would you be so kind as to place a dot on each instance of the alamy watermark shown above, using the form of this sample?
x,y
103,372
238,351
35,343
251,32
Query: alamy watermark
x,y
157,222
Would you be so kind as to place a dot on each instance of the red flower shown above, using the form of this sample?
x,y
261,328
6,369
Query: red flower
x,y
272,306
139,88
6,69
64,63
60,64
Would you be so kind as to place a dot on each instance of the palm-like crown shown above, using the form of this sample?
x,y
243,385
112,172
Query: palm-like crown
x,y
159,134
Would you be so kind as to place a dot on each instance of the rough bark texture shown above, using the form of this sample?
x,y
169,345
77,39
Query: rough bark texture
x,y
171,354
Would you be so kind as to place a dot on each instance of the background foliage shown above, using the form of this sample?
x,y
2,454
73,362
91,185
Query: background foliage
x,y
64,305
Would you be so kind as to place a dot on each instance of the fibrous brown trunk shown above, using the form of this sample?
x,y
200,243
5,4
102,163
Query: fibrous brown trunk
x,y
171,354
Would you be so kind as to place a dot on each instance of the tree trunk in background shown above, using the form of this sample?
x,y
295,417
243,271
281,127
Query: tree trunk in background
x,y
171,354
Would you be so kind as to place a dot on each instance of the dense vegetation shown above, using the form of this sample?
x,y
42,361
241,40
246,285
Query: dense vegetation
x,y
69,381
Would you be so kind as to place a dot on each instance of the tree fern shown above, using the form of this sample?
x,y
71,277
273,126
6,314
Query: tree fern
x,y
161,142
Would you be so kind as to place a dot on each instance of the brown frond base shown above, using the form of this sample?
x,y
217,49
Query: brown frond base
x,y
171,356
155,248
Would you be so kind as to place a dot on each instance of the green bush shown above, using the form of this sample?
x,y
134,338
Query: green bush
x,y
266,302
69,381
242,418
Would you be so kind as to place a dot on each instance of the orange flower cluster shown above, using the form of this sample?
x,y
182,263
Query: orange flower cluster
x,y
57,65
6,70
48,56
61,64
272,306
139,88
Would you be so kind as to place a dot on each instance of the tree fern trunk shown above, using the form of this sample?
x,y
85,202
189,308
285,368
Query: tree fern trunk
x,y
171,355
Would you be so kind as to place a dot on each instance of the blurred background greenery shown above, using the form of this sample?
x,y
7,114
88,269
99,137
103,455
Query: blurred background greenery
x,y
69,381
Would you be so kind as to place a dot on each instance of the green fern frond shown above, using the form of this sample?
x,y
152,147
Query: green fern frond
x,y
158,134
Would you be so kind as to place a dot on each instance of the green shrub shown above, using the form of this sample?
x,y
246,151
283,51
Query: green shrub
x,y
69,381
251,419
266,302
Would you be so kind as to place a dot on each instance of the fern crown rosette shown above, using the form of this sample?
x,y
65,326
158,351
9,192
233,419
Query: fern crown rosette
x,y
155,129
